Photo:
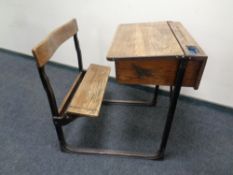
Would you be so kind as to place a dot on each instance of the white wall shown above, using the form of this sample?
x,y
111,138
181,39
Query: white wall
x,y
24,23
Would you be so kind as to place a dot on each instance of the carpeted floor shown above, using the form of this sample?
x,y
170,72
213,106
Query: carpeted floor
x,y
201,140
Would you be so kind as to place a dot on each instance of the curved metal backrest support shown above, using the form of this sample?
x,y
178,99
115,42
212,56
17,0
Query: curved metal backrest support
x,y
49,91
78,51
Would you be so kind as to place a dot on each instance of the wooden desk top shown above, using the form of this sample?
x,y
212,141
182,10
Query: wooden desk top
x,y
153,40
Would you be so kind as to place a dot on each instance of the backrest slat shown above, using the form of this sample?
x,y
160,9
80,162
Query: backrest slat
x,y
46,48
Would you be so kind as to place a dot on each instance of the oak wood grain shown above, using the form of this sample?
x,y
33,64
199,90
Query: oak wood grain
x,y
189,45
46,48
155,71
144,40
88,98
185,40
149,53
68,94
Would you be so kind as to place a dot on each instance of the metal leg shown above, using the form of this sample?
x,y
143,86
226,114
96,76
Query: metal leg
x,y
174,97
60,136
71,149
171,92
154,100
135,102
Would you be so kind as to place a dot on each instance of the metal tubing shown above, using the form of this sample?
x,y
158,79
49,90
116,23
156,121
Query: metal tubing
x,y
72,93
135,102
150,156
60,135
128,102
172,106
67,148
156,90
78,51
49,91
53,105
171,93
64,120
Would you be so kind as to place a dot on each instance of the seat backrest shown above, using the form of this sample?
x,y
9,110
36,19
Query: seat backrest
x,y
45,50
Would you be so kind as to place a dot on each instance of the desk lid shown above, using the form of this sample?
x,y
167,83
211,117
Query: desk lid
x,y
153,40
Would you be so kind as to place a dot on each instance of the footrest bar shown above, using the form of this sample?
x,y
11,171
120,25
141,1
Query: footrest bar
x,y
129,102
149,156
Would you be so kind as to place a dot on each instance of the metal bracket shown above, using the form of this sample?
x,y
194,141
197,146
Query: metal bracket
x,y
59,117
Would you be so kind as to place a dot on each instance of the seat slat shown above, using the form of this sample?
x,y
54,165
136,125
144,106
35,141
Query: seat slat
x,y
88,98
69,93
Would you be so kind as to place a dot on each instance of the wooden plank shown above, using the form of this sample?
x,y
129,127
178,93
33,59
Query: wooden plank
x,y
200,73
144,40
68,94
155,71
190,47
46,48
88,98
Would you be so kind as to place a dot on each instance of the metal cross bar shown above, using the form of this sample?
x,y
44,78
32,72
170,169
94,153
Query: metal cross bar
x,y
135,102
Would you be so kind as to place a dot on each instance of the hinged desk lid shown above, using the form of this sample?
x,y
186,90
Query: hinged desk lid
x,y
153,40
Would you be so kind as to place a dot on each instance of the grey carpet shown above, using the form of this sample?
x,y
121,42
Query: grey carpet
x,y
201,140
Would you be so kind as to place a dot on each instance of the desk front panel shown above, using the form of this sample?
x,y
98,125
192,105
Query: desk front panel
x,y
158,71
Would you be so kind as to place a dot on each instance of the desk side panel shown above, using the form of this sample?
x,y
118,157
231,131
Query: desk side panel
x,y
157,72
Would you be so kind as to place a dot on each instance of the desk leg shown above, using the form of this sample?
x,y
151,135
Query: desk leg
x,y
172,107
135,102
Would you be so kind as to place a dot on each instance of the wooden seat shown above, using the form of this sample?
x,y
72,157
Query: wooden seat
x,y
88,98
